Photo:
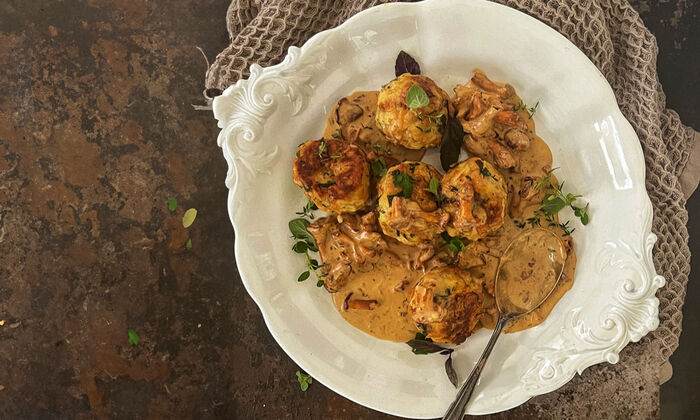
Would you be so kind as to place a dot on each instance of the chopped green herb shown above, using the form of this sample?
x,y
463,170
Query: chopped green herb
x,y
319,283
338,134
379,167
338,156
188,245
485,171
304,380
172,204
416,97
455,244
404,181
303,276
133,337
321,149
189,217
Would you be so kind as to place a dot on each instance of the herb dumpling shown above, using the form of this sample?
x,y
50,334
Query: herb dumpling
x,y
474,194
411,111
447,303
408,203
334,174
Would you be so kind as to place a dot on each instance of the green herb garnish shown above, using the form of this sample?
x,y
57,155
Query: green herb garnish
x,y
307,209
530,110
304,380
416,97
554,201
455,243
305,243
188,217
485,171
404,181
338,134
320,283
434,187
172,204
423,345
321,149
188,245
133,337
379,167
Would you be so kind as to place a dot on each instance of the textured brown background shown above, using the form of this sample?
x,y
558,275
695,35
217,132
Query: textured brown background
x,y
96,132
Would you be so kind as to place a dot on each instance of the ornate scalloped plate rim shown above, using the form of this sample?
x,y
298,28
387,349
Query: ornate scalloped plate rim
x,y
647,237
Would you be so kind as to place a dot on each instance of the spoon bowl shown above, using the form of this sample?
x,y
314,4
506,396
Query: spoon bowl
x,y
528,272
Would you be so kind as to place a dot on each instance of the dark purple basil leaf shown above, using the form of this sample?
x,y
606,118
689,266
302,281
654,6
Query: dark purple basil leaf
x,y
424,347
406,64
451,374
451,143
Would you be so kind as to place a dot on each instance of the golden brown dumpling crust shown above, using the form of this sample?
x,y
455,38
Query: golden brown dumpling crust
x,y
417,128
334,174
416,218
447,304
475,195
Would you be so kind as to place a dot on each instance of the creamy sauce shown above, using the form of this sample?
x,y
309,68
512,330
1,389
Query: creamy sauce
x,y
354,117
383,282
388,280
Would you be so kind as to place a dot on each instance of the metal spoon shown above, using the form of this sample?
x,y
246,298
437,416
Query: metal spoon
x,y
528,272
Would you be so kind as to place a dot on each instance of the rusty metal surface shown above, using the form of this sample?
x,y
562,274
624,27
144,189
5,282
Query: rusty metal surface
x,y
96,133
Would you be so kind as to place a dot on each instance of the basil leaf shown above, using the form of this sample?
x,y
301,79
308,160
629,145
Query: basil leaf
x,y
405,64
424,347
450,370
416,97
451,143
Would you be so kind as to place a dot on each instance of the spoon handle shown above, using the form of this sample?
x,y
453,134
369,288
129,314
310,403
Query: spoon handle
x,y
456,410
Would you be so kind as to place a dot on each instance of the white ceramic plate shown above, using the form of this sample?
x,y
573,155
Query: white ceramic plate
x,y
612,302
